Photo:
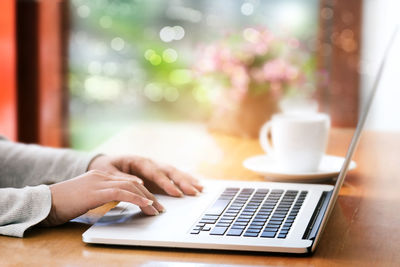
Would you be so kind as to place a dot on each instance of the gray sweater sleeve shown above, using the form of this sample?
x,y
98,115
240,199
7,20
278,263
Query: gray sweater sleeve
x,y
25,200
21,208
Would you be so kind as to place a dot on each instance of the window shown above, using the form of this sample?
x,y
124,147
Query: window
x,y
133,60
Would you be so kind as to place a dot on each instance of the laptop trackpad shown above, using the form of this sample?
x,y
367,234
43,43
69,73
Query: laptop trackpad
x,y
179,216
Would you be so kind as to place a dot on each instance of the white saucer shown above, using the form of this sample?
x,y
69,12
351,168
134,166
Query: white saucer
x,y
265,165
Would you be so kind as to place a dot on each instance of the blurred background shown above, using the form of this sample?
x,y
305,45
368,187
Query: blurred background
x,y
76,72
134,60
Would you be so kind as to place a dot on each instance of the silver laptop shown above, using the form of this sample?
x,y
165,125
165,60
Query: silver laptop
x,y
234,215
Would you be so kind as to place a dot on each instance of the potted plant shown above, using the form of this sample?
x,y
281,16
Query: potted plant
x,y
246,74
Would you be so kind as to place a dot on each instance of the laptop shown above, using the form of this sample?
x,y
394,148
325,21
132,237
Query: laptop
x,y
234,215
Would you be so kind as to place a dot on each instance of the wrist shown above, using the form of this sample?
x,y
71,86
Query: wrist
x,y
96,162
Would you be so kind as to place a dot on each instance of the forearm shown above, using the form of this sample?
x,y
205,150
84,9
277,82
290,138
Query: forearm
x,y
22,165
22,208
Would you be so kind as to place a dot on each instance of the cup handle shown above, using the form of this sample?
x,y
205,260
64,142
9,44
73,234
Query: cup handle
x,y
263,138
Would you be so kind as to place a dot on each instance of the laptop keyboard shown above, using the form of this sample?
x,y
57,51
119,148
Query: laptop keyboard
x,y
252,213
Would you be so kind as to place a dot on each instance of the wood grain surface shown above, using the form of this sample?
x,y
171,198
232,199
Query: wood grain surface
x,y
363,229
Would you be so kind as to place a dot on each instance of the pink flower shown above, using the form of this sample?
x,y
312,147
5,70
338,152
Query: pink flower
x,y
208,59
240,79
252,58
279,70
259,40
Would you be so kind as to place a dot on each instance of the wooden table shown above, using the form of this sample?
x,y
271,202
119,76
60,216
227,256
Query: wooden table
x,y
363,229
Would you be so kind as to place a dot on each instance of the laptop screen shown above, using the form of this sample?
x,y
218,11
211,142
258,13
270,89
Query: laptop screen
x,y
356,138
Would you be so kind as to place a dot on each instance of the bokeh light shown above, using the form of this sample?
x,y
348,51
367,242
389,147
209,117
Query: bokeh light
x,y
247,9
170,55
154,92
171,94
169,34
95,68
180,76
83,11
117,44
102,88
110,68
251,35
106,22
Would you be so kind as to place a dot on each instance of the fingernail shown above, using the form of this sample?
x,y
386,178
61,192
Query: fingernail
x,y
154,211
149,202
162,208
159,207
196,192
180,193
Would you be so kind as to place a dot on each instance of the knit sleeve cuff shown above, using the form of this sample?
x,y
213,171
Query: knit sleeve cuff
x,y
23,208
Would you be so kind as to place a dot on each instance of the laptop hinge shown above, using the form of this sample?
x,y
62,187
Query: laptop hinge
x,y
318,215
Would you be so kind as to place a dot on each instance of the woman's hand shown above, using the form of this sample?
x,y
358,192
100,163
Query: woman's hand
x,y
117,179
75,197
167,178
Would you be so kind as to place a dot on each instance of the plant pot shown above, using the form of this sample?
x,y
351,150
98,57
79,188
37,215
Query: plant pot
x,y
243,117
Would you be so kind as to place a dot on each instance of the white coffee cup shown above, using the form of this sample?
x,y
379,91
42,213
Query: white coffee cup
x,y
298,140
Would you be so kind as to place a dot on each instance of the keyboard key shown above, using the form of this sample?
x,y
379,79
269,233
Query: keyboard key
x,y
235,189
250,209
226,220
253,226
269,203
235,226
278,216
262,190
241,223
277,191
195,232
284,231
282,236
264,212
218,207
268,234
271,229
245,216
250,234
286,224
223,224
210,217
218,230
257,223
228,216
252,230
208,221
235,232
274,224
275,221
